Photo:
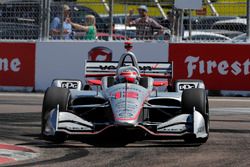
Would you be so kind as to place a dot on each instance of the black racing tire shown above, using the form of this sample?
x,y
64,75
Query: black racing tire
x,y
52,97
196,97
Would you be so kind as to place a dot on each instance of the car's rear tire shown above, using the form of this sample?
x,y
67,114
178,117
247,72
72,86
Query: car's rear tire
x,y
198,98
54,96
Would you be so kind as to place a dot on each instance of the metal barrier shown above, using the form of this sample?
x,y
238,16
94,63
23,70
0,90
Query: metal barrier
x,y
111,29
217,21
20,20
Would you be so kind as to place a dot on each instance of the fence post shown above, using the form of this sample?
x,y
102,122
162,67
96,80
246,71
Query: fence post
x,y
248,21
111,3
43,3
189,25
180,24
45,19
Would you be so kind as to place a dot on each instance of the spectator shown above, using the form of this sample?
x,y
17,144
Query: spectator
x,y
89,27
59,30
145,25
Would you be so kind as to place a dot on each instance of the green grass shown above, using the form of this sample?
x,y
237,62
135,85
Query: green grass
x,y
223,7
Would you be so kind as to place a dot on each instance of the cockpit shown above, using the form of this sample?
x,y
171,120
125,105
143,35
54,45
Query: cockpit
x,y
128,74
128,71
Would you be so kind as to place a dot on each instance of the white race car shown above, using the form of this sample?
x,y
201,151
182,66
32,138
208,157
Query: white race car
x,y
128,101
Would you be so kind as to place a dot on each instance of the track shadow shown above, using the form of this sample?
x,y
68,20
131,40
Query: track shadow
x,y
105,142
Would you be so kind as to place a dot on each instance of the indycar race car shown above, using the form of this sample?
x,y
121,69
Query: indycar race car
x,y
126,99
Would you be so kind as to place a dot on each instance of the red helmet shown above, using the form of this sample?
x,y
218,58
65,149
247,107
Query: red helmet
x,y
128,74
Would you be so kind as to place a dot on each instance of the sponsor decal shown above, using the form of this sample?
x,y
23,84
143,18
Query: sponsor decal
x,y
100,53
125,115
118,95
226,64
13,65
172,130
128,94
17,64
105,67
210,66
76,128
133,95
69,85
142,68
186,86
126,105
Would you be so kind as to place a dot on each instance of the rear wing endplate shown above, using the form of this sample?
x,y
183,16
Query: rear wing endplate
x,y
147,69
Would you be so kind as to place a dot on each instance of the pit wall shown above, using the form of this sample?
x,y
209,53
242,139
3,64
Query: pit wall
x,y
33,66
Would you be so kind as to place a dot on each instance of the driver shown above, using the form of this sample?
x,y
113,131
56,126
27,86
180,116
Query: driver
x,y
127,75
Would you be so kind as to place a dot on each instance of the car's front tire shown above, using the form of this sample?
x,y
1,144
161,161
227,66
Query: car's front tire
x,y
198,98
54,96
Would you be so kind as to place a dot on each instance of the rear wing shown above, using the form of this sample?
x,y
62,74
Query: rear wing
x,y
147,69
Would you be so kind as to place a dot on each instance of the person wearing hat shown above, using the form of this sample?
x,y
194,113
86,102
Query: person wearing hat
x,y
145,25
59,30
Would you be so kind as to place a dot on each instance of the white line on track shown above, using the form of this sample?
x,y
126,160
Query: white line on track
x,y
226,99
230,110
21,94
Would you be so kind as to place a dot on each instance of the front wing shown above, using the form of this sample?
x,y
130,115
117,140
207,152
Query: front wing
x,y
178,126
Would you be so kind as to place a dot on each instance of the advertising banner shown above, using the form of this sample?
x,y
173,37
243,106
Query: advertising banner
x,y
17,64
65,60
220,66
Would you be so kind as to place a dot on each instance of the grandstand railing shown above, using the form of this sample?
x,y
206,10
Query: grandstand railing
x,y
217,21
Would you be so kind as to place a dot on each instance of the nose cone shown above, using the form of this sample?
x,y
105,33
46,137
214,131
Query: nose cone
x,y
127,102
125,122
127,113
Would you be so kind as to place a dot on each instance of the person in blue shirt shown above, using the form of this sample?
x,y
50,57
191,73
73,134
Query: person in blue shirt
x,y
59,30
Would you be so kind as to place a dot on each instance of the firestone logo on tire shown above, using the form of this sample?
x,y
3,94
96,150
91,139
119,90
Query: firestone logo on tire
x,y
100,53
222,67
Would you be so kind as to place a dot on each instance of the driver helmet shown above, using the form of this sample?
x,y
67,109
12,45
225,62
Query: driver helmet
x,y
128,76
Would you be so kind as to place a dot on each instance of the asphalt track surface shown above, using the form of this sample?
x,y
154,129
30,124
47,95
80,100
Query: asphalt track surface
x,y
227,146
